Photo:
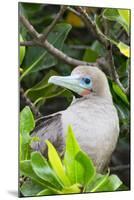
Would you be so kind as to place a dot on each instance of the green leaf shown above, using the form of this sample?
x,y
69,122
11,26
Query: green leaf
x,y
39,61
43,83
120,93
31,8
30,188
27,170
38,58
98,181
27,122
43,90
76,188
88,167
22,50
43,170
90,55
72,166
98,48
124,49
46,192
114,15
111,184
56,164
125,14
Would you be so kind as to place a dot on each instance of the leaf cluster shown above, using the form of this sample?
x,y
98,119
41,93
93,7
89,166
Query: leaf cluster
x,y
75,173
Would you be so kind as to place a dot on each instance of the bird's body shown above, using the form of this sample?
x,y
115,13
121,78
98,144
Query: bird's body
x,y
93,118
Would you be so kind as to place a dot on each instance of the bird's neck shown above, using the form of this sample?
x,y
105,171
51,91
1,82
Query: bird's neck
x,y
105,93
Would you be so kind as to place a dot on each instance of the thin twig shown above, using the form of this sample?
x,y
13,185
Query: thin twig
x,y
71,61
91,25
74,11
114,73
52,25
62,56
28,43
30,104
29,26
79,47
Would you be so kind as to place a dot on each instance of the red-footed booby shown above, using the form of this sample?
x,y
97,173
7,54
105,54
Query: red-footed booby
x,y
93,116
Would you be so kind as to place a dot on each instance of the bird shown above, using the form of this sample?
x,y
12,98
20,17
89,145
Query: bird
x,y
93,116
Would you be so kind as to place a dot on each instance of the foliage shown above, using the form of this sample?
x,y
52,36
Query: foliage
x,y
36,66
76,173
22,51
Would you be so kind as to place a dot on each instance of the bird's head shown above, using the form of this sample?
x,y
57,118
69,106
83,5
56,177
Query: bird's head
x,y
84,80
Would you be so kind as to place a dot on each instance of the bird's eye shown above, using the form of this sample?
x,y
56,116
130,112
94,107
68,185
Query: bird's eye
x,y
87,80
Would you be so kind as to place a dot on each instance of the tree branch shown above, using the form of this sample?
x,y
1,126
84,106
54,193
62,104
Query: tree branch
x,y
74,11
91,25
52,25
71,61
62,56
114,73
50,48
29,27
28,43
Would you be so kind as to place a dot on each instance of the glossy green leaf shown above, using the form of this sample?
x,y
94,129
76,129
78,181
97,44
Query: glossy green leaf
x,y
56,164
73,168
88,167
27,170
98,181
27,122
40,58
124,49
90,55
123,113
125,14
43,170
46,192
120,93
56,93
43,83
30,188
22,50
114,15
25,149
98,48
39,61
111,184
43,90
76,188
31,7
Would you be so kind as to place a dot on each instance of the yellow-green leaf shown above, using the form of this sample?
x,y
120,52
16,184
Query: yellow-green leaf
x,y
74,169
125,14
22,50
56,164
124,49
